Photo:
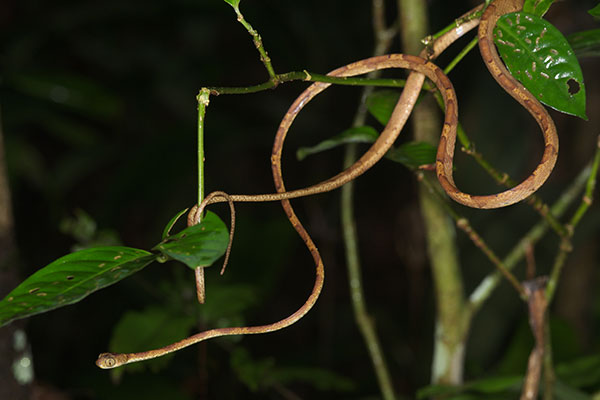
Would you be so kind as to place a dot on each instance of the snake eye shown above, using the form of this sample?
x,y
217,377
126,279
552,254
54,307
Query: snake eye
x,y
106,360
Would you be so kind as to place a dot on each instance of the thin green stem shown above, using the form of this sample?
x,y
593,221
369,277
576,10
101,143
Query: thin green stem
x,y
264,57
203,100
565,246
461,55
457,22
487,286
364,321
309,77
588,197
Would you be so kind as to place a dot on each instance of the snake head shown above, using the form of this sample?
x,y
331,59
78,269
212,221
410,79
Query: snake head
x,y
109,360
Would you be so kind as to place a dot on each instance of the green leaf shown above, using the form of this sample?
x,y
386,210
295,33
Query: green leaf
x,y
495,384
540,57
151,328
233,3
359,134
227,301
595,12
564,392
70,279
585,43
442,391
537,7
172,222
581,372
413,154
252,372
381,104
199,245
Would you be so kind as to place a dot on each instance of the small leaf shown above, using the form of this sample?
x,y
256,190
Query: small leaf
x,y
359,134
413,154
151,328
172,222
595,12
540,57
381,104
537,7
71,278
585,43
233,3
199,245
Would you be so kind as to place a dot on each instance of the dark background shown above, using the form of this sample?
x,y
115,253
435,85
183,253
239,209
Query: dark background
x,y
99,115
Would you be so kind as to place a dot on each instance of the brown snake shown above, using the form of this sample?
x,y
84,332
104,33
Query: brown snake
x,y
420,68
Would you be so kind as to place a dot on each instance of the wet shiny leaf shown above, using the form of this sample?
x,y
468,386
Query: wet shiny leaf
x,y
540,57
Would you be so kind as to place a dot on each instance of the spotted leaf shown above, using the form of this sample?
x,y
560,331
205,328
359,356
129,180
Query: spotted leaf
x,y
540,57
199,245
70,279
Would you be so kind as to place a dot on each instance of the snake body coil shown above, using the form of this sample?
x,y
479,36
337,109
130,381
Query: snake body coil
x,y
420,67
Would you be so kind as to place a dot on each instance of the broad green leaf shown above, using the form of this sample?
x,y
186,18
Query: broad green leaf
x,y
359,134
199,245
537,7
70,279
585,43
413,154
595,12
540,57
149,329
172,222
381,103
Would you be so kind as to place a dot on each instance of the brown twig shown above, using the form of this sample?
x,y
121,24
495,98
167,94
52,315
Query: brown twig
x,y
537,305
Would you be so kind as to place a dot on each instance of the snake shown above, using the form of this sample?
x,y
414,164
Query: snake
x,y
421,67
